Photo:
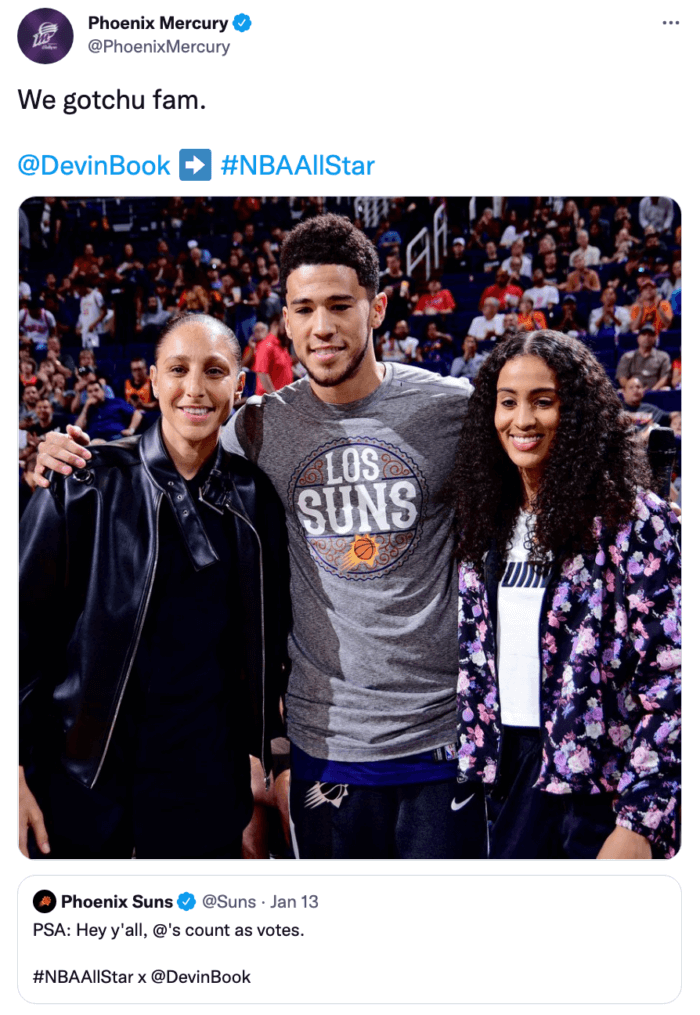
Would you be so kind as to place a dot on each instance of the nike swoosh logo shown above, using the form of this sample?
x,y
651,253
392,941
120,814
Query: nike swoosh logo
x,y
463,803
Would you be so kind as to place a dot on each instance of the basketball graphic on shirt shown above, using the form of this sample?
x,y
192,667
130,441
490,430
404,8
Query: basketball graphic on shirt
x,y
359,503
364,548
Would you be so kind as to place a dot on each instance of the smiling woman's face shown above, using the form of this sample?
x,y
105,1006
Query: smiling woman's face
x,y
195,380
527,413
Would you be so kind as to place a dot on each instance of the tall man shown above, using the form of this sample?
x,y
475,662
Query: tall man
x,y
354,454
358,462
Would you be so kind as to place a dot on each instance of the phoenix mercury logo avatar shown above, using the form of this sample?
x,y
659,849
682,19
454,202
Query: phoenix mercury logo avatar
x,y
45,35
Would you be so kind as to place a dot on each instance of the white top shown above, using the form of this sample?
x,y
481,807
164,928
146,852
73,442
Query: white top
x,y
480,327
511,235
400,351
36,328
621,313
90,306
525,268
520,594
542,296
591,256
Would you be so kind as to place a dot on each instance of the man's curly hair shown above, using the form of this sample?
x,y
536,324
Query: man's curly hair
x,y
594,468
330,239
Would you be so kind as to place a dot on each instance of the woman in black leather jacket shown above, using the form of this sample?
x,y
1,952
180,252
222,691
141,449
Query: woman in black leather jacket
x,y
158,575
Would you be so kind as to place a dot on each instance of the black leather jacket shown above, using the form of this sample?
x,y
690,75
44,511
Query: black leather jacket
x,y
88,554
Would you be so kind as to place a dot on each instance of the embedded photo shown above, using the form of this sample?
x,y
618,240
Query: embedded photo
x,y
349,527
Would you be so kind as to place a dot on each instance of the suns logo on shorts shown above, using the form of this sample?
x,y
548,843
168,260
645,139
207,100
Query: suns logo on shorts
x,y
325,793
359,503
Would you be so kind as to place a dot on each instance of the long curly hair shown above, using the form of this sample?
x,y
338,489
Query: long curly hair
x,y
594,468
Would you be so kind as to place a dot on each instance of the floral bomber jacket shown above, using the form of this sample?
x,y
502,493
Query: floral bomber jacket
x,y
610,691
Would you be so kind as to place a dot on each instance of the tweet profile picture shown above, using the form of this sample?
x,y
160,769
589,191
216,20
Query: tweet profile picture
x,y
45,35
44,901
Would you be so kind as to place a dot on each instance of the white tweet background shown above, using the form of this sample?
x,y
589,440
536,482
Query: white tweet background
x,y
447,98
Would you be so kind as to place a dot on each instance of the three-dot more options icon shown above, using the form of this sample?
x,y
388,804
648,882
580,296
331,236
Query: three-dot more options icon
x,y
44,901
195,164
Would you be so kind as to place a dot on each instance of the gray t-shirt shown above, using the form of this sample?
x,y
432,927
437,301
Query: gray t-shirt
x,y
374,596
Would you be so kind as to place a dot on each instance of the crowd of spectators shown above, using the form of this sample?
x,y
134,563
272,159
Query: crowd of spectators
x,y
99,279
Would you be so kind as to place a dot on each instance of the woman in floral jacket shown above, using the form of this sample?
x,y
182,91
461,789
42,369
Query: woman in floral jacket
x,y
569,615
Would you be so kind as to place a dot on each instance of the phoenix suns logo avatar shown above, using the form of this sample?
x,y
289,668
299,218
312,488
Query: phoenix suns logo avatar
x,y
360,506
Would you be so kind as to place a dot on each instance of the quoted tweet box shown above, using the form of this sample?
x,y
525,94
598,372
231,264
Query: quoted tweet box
x,y
388,939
